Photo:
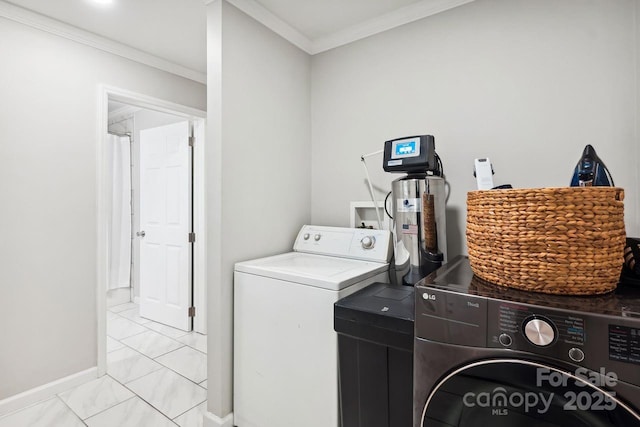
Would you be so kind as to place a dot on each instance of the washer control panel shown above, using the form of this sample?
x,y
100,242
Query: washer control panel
x,y
531,328
356,243
579,337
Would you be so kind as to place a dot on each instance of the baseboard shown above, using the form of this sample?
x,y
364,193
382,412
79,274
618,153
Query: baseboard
x,y
211,420
118,296
46,391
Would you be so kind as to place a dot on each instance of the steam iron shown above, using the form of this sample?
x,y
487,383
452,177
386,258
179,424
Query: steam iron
x,y
591,171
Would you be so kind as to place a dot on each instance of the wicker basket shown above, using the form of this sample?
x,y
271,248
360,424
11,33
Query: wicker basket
x,y
552,240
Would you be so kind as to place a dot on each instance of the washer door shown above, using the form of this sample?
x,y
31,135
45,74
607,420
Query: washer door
x,y
510,392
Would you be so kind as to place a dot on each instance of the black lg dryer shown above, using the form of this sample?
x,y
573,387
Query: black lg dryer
x,y
494,357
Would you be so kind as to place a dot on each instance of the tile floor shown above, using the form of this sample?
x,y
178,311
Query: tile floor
x,y
156,377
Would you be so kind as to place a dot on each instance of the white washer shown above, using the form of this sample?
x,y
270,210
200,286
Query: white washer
x,y
285,348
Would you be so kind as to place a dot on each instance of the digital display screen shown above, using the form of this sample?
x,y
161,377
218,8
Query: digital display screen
x,y
624,344
405,148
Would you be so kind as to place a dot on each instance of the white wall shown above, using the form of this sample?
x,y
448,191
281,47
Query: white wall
x,y
258,161
525,83
48,120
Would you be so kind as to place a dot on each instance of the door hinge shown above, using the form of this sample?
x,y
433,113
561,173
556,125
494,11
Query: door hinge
x,y
192,237
192,141
192,312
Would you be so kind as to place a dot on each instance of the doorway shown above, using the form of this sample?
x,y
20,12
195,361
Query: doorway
x,y
140,118
150,248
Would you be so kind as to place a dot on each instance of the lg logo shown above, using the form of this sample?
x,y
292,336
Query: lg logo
x,y
428,296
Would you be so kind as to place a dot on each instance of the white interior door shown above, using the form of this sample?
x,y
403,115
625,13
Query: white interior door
x,y
165,224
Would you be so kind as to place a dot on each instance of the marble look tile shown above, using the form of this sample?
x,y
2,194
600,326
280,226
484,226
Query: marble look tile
x,y
165,330
134,315
121,328
113,345
95,396
134,412
127,365
187,362
193,417
152,344
168,392
195,340
123,307
204,383
52,412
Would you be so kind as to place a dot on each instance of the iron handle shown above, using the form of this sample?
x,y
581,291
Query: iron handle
x,y
141,233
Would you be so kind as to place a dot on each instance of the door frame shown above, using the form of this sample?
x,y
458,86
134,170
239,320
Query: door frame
x,y
106,93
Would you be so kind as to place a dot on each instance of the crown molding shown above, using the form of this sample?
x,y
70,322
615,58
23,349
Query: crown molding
x,y
402,16
274,23
58,28
399,17
394,19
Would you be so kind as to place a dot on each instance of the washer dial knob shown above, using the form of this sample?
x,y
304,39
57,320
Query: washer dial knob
x,y
306,236
368,242
317,237
539,332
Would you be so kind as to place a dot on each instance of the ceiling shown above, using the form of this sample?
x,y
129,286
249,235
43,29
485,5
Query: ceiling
x,y
174,31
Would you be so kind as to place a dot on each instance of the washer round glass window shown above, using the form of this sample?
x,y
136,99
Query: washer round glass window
x,y
518,393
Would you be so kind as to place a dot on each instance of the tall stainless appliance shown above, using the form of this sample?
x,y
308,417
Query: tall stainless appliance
x,y
418,201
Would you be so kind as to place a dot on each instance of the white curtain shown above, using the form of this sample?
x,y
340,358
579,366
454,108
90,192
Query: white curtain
x,y
120,227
